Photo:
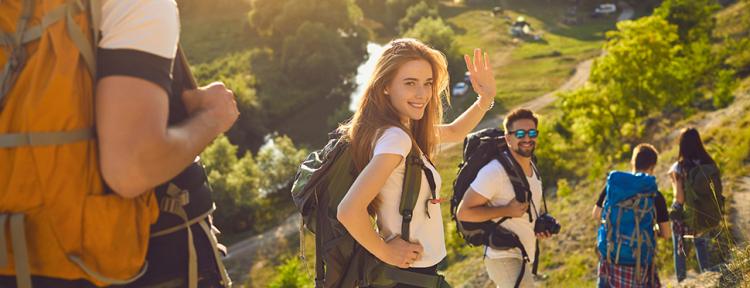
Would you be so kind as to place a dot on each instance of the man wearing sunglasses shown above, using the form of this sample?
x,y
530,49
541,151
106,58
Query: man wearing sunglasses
x,y
491,196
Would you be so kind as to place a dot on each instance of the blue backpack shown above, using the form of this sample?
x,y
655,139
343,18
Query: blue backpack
x,y
626,234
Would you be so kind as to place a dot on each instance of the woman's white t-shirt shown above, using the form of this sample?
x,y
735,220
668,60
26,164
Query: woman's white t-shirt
x,y
427,231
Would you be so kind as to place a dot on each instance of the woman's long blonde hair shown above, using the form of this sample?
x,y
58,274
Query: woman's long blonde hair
x,y
376,112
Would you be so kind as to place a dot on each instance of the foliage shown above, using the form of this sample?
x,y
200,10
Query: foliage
x,y
250,190
312,52
730,148
436,33
737,272
290,275
414,14
390,12
234,70
738,55
643,72
563,188
694,18
725,86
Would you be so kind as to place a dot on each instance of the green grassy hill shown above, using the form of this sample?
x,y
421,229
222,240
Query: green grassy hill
x,y
217,39
526,69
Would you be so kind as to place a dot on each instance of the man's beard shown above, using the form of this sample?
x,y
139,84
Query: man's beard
x,y
525,153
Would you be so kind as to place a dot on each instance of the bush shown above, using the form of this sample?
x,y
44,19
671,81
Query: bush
x,y
251,192
416,13
290,275
563,188
724,90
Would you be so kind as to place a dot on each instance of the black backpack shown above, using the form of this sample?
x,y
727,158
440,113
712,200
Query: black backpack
x,y
480,148
322,181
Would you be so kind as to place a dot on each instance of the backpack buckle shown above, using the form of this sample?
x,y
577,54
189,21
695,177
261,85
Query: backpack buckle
x,y
406,214
174,199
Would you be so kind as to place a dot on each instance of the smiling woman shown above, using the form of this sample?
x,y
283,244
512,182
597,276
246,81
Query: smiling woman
x,y
398,116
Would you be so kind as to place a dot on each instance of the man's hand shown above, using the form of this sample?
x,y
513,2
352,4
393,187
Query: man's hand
x,y
216,101
543,235
516,209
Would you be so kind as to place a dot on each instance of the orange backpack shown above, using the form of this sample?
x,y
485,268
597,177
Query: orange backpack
x,y
55,218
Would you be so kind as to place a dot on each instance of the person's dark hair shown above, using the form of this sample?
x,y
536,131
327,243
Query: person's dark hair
x,y
691,148
518,114
644,156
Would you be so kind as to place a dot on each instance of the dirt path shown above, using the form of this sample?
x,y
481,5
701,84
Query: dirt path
x,y
242,255
739,208
740,214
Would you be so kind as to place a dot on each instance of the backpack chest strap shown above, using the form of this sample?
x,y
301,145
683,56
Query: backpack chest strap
x,y
12,140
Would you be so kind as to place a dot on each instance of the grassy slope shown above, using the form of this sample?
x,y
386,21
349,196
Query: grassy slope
x,y
570,259
526,70
211,31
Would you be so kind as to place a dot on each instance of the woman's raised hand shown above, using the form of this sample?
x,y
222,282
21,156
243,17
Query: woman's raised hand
x,y
482,76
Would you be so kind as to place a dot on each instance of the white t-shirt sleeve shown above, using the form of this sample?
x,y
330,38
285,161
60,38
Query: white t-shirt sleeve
x,y
151,26
675,168
393,141
487,183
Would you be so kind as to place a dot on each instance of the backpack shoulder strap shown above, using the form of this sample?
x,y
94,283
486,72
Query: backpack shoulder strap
x,y
539,177
17,58
411,188
517,178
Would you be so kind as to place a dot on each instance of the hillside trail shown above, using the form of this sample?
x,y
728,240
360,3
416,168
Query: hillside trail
x,y
739,189
242,255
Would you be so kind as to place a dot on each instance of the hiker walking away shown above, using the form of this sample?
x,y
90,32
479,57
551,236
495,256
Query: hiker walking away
x,y
400,115
698,205
494,195
113,66
629,208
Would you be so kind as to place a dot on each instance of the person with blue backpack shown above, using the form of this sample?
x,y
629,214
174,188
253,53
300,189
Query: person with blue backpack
x,y
629,208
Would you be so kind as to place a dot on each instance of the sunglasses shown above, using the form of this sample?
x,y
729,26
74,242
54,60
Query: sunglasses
x,y
520,133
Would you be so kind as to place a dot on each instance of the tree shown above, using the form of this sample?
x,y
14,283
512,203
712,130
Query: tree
x,y
278,18
642,72
414,14
313,49
251,193
694,18
436,33
235,71
397,9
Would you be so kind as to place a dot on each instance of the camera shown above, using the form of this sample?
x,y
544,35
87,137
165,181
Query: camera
x,y
546,223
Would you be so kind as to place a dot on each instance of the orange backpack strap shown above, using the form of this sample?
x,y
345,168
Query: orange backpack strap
x,y
20,252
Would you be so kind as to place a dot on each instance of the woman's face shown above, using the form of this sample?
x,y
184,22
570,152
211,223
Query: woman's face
x,y
411,90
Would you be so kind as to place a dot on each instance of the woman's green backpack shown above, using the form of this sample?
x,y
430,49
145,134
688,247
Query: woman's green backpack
x,y
704,204
322,181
